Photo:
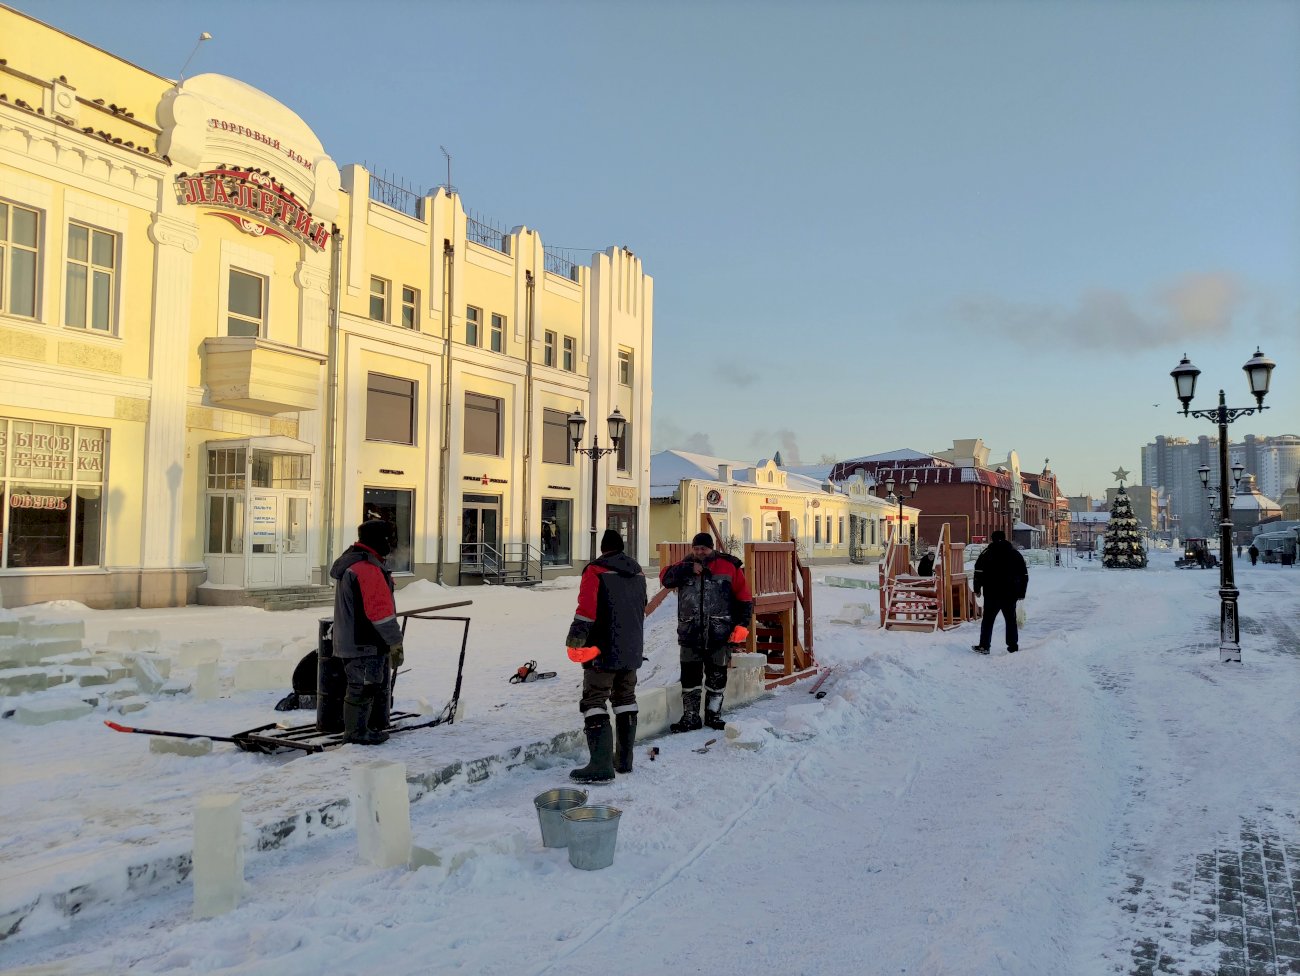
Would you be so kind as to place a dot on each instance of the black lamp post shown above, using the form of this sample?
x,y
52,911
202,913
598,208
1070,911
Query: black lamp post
x,y
617,424
912,485
1258,369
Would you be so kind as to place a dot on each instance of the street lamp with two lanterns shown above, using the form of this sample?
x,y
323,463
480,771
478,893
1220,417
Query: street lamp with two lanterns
x,y
912,485
1258,370
617,426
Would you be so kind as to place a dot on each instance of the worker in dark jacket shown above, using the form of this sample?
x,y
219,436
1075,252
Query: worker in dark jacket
x,y
714,609
367,636
606,638
1001,575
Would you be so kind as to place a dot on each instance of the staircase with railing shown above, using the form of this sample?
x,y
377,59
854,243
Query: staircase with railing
x,y
514,564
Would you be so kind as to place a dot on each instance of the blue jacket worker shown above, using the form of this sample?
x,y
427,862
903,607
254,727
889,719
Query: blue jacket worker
x,y
367,636
607,639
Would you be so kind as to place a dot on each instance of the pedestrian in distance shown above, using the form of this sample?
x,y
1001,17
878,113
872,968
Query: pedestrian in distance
x,y
1254,553
367,636
607,639
1001,575
714,609
926,566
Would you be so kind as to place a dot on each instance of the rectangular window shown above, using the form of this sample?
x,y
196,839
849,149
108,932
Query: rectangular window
x,y
20,261
557,532
51,490
394,506
246,304
410,308
92,278
624,452
841,530
473,325
567,363
625,367
390,409
548,349
497,332
817,529
226,524
483,424
556,446
379,289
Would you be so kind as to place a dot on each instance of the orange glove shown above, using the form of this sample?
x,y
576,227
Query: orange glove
x,y
581,655
738,635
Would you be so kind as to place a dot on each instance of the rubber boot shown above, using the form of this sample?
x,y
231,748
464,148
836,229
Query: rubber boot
x,y
355,724
690,720
713,710
625,726
600,744
381,705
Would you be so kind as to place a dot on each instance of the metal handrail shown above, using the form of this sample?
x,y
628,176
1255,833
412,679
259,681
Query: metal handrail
x,y
512,561
482,232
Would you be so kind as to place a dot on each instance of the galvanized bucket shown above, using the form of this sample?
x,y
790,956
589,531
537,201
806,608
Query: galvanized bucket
x,y
550,813
593,833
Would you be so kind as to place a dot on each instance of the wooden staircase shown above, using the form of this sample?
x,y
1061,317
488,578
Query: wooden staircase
x,y
925,603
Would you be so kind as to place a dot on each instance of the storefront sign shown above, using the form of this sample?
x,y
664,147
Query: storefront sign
x,y
263,520
622,495
269,141
715,509
559,487
484,479
390,471
714,497
38,501
278,212
979,538
770,508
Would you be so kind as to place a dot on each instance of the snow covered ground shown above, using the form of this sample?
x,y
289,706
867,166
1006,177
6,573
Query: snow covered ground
x,y
938,812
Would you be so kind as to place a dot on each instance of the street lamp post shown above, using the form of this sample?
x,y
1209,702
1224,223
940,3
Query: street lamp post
x,y
1258,369
912,485
617,424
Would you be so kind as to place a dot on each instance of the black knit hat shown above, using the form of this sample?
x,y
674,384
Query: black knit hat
x,y
702,539
377,535
611,541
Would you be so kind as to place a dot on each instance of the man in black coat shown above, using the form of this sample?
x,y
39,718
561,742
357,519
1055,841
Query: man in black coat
x,y
714,609
1001,575
606,638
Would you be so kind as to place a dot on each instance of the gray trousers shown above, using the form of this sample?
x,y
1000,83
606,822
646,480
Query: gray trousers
x,y
616,687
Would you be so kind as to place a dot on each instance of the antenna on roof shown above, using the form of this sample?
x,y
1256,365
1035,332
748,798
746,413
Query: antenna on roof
x,y
448,155
205,36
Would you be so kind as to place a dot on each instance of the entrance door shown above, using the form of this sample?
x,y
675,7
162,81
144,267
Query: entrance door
x,y
293,555
264,540
480,531
622,519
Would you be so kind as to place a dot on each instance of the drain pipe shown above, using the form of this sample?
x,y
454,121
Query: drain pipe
x,y
331,401
530,283
448,260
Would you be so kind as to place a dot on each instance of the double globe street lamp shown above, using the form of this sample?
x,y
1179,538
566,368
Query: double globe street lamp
x,y
912,485
617,425
1259,370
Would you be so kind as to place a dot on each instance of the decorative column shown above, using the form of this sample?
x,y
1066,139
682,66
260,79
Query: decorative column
x,y
164,466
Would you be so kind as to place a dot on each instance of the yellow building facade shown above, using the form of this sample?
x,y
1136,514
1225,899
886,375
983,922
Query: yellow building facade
x,y
220,351
831,523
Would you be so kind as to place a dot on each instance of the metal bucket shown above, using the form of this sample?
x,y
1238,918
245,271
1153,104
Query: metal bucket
x,y
551,806
593,832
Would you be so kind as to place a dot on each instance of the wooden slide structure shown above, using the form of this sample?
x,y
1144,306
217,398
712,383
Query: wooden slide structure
x,y
782,628
926,603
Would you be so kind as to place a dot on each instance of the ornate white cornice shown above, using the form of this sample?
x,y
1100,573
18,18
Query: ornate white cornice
x,y
170,232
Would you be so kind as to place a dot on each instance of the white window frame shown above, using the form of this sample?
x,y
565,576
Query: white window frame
x,y
385,295
625,367
266,287
91,269
496,332
6,264
237,257
413,306
569,354
550,349
477,321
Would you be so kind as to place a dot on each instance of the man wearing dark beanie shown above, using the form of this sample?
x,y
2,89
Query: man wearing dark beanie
x,y
606,638
367,636
714,608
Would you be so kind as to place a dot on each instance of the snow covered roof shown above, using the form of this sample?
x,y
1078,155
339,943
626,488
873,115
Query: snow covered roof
x,y
669,468
1097,518
1025,527
902,454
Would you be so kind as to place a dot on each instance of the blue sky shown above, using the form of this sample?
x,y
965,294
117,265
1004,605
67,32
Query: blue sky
x,y
871,225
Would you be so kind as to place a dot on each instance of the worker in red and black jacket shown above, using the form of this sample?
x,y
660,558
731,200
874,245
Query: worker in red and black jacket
x,y
367,636
607,638
714,609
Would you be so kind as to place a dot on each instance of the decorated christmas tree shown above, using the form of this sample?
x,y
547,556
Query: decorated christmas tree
x,y
1124,548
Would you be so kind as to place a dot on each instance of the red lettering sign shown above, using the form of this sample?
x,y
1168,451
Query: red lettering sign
x,y
275,208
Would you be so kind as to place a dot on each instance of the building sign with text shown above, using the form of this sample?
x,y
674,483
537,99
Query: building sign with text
x,y
253,202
